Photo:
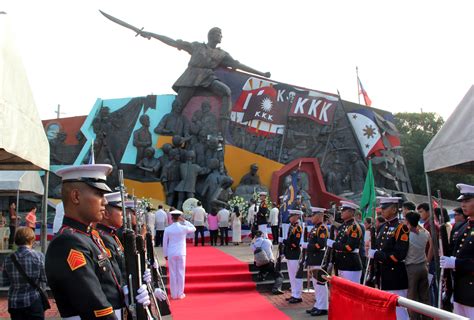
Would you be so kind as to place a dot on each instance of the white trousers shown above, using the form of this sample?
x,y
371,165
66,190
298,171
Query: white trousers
x,y
284,228
296,284
402,313
463,310
263,228
320,292
353,276
177,265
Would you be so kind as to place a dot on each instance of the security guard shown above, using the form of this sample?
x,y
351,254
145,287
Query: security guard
x,y
391,249
462,260
78,269
292,254
316,247
111,222
346,245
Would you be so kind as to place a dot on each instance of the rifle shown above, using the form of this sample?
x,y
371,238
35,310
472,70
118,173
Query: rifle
x,y
281,250
370,271
444,300
132,262
300,272
157,279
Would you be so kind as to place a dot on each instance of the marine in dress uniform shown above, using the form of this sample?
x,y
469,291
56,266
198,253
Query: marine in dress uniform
x,y
292,255
316,247
391,249
78,269
111,222
284,219
462,259
262,214
347,243
174,250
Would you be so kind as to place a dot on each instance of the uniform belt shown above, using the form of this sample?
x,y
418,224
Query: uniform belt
x,y
118,314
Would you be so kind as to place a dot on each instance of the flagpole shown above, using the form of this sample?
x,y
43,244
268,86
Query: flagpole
x,y
358,88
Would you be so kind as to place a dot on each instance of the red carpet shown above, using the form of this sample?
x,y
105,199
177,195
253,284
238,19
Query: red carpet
x,y
218,286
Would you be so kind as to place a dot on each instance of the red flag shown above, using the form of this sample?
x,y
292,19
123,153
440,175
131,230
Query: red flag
x,y
349,300
362,91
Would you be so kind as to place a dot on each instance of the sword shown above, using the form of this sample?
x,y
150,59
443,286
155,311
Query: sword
x,y
122,23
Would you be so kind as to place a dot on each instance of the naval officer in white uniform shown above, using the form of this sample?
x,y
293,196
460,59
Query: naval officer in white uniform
x,y
174,250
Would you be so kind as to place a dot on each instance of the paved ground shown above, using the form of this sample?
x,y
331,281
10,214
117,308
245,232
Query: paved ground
x,y
242,253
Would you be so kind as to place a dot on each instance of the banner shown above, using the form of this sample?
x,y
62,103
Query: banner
x,y
349,300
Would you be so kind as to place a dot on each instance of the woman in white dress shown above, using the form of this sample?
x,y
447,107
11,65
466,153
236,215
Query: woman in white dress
x,y
236,219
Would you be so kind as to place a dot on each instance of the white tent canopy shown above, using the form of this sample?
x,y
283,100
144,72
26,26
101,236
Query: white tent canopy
x,y
28,182
23,142
452,148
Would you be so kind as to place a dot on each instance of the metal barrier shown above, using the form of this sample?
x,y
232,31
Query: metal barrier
x,y
428,310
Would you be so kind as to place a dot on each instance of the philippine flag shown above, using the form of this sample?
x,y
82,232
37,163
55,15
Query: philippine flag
x,y
366,130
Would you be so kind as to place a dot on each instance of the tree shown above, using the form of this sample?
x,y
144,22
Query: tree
x,y
416,131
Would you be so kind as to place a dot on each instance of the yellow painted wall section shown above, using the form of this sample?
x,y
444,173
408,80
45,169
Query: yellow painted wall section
x,y
238,161
145,189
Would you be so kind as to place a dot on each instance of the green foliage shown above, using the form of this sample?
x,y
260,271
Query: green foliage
x,y
416,131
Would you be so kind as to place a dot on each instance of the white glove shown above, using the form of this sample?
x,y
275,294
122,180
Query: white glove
x,y
280,239
147,276
143,297
155,264
447,262
330,243
125,291
160,294
372,253
304,245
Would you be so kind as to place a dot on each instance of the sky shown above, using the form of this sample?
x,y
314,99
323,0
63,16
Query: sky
x,y
411,55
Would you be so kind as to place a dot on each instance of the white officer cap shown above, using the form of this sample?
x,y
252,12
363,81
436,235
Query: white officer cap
x,y
176,213
281,197
263,193
466,191
387,201
130,204
316,210
114,199
295,212
93,175
350,205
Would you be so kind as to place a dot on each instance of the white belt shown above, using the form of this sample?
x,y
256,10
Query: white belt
x,y
353,251
118,314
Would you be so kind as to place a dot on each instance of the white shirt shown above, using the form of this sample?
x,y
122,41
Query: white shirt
x,y
199,216
58,218
174,239
266,246
150,223
161,219
252,213
223,218
274,216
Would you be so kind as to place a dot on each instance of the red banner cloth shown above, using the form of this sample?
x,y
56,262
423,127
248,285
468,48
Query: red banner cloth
x,y
349,300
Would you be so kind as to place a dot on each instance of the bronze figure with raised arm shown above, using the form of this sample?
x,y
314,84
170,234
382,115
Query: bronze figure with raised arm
x,y
205,58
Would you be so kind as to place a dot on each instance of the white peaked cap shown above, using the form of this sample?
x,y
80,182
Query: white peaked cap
x,y
466,191
295,212
389,200
350,205
94,175
318,210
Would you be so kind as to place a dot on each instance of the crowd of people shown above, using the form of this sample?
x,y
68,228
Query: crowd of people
x,y
393,252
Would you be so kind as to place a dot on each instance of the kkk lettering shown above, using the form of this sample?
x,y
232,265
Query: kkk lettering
x,y
261,104
317,109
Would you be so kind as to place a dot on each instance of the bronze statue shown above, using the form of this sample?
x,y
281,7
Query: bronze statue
x,y
189,172
251,178
173,123
142,138
149,164
214,184
205,58
208,119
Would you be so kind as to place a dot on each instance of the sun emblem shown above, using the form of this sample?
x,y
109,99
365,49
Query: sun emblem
x,y
369,131
266,104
